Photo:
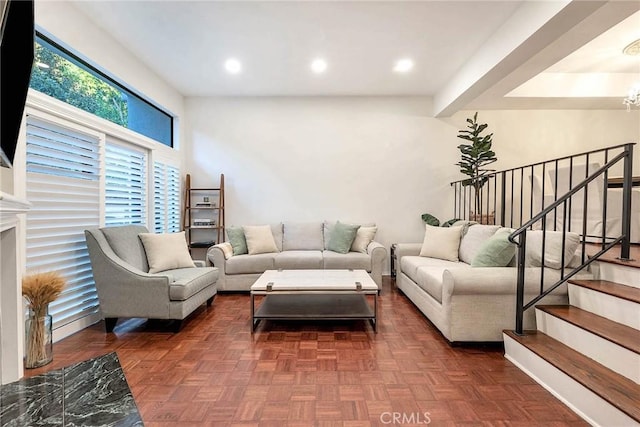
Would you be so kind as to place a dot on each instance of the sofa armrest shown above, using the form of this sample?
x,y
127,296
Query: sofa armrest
x,y
377,251
215,258
409,249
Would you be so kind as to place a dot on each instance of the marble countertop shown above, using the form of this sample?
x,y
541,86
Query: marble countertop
x,y
90,393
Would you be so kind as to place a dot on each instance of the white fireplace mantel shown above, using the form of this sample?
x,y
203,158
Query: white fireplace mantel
x,y
11,314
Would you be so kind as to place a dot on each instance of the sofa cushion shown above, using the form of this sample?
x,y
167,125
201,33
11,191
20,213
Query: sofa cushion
x,y
429,279
189,281
127,245
276,230
342,237
235,235
441,242
302,236
409,264
364,236
496,251
552,248
166,251
299,260
473,239
247,264
259,239
353,260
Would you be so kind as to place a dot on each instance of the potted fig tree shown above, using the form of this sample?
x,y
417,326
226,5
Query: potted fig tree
x,y
476,155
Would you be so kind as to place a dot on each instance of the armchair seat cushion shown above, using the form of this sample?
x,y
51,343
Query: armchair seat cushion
x,y
189,281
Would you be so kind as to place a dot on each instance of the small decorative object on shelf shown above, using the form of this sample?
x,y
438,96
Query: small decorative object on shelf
x,y
39,290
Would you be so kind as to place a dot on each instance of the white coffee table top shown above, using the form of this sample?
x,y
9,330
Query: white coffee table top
x,y
314,280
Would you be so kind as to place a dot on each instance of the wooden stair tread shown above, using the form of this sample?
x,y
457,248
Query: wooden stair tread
x,y
626,292
619,391
612,256
623,335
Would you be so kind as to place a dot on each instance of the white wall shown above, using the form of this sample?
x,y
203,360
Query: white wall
x,y
380,160
366,159
527,136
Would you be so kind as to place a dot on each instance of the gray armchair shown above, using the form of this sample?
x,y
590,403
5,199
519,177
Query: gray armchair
x,y
126,289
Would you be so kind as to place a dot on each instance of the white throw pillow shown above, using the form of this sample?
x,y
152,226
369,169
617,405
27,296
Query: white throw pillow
x,y
441,242
552,248
166,251
364,236
259,239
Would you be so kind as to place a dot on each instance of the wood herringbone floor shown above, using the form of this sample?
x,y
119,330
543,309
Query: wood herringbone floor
x,y
216,373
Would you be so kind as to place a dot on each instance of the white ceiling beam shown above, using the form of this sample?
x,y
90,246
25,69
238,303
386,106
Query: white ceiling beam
x,y
532,28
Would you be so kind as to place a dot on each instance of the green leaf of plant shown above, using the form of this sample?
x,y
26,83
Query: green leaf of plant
x,y
430,219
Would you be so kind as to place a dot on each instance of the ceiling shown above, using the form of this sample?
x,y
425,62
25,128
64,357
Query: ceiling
x,y
466,53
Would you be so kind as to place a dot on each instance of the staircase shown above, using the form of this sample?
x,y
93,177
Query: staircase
x,y
587,353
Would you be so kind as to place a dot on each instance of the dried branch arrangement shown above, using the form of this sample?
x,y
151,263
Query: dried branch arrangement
x,y
39,290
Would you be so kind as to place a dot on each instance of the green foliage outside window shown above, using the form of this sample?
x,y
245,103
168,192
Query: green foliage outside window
x,y
60,78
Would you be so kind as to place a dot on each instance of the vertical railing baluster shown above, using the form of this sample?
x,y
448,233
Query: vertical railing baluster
x,y
511,223
503,198
522,247
625,250
605,189
555,197
585,204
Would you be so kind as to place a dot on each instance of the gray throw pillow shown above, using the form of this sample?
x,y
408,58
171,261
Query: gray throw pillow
x,y
342,237
237,240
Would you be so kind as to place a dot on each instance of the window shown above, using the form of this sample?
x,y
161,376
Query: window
x,y
125,185
63,185
62,75
166,198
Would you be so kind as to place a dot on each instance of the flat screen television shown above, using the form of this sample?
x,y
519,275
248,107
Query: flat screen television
x,y
16,59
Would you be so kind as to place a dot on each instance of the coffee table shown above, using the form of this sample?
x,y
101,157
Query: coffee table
x,y
314,295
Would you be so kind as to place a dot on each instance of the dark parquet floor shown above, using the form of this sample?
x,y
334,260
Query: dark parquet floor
x,y
216,373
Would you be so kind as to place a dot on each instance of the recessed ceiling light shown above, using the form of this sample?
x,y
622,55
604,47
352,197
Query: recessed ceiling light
x,y
403,65
233,66
319,66
632,48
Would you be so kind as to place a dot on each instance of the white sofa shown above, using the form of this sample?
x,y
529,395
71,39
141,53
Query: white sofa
x,y
300,245
472,304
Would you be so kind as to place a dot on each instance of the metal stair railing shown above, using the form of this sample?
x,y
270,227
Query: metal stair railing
x,y
504,201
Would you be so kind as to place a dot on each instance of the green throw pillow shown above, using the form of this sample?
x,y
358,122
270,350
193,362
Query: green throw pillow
x,y
496,251
237,240
342,237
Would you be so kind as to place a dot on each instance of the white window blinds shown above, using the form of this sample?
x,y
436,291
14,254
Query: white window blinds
x,y
125,185
166,198
63,185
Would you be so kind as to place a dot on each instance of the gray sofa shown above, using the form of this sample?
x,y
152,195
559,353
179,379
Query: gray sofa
x,y
468,303
299,246
126,288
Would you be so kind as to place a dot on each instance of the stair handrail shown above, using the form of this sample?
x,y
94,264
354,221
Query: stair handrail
x,y
520,232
